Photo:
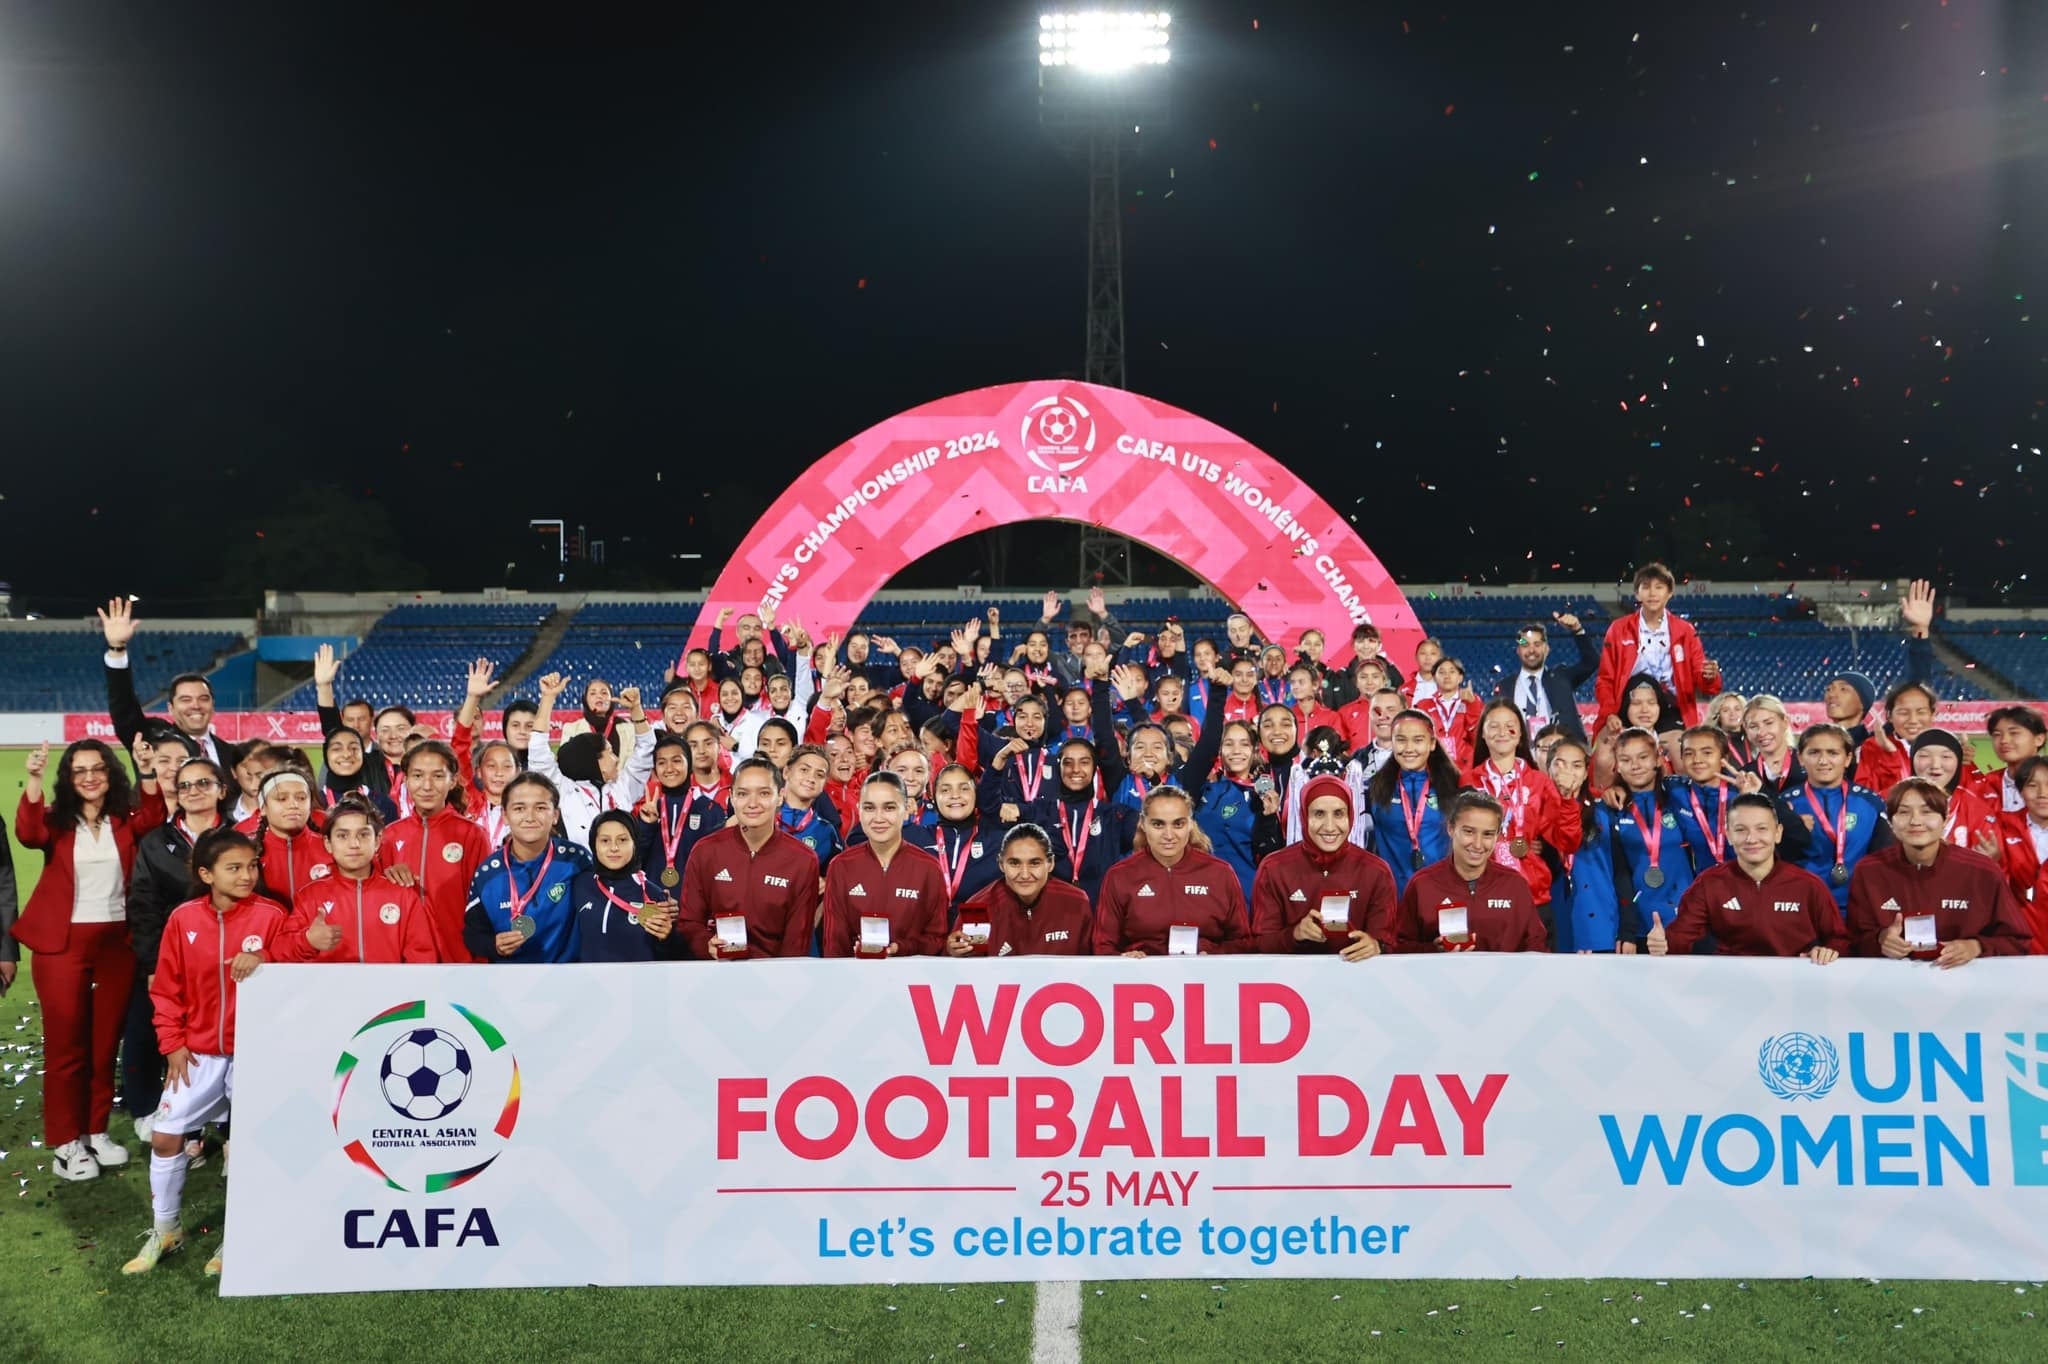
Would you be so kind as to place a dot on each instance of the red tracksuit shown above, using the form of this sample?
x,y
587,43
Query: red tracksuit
x,y
1289,887
1964,891
380,921
1534,811
910,892
1879,770
2026,873
1618,664
1062,923
776,889
1356,719
1971,816
193,995
291,863
1456,722
1500,916
443,854
1142,902
1995,786
1790,911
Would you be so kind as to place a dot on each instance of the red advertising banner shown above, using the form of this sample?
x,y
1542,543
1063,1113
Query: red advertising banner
x,y
1064,451
287,726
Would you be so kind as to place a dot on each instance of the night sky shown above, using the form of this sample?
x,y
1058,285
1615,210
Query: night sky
x,y
303,295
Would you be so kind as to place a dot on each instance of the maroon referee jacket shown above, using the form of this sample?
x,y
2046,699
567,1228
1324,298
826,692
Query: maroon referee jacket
x,y
1142,902
1499,911
1964,890
1783,915
1290,886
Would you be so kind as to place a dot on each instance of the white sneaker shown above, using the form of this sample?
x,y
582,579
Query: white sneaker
x,y
73,1161
145,1127
106,1150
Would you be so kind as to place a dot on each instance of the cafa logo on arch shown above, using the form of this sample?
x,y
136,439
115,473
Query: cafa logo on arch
x,y
1058,436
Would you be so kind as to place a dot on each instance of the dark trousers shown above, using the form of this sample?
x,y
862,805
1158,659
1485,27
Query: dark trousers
x,y
142,1060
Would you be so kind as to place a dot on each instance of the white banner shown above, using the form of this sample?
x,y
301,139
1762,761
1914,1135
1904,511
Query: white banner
x,y
1047,1118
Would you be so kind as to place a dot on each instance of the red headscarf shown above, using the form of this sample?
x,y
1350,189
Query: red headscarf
x,y
1317,788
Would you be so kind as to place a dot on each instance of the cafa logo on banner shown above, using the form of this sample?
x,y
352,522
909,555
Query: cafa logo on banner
x,y
426,1096
1058,436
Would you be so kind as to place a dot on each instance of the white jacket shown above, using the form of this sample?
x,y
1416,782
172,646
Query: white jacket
x,y
581,801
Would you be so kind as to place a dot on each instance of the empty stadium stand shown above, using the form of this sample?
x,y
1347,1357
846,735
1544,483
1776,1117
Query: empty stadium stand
x,y
61,669
418,654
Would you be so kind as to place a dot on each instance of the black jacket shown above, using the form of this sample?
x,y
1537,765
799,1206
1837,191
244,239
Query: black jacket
x,y
1558,685
161,881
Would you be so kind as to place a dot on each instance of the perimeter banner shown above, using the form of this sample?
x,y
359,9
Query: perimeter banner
x,y
931,1120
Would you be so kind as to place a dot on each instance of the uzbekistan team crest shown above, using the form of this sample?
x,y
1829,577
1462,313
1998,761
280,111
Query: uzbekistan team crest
x,y
425,1095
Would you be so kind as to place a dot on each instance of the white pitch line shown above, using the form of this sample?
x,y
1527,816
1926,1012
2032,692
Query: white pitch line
x,y
1056,1323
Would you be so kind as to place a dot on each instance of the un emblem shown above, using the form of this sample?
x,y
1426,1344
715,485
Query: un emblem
x,y
1798,1065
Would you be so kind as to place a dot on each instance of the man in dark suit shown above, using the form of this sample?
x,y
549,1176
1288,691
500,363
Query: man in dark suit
x,y
191,694
1542,693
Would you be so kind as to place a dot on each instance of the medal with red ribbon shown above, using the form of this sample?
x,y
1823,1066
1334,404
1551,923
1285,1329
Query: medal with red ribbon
x,y
1030,773
1839,832
1411,815
1508,789
1652,829
523,923
632,910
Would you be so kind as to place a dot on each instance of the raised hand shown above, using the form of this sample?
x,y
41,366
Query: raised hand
x,y
39,760
1134,639
724,615
1130,682
649,810
326,666
1566,621
117,622
481,675
551,686
1096,603
1916,610
1709,668
1656,942
995,619
1986,842
835,685
1052,606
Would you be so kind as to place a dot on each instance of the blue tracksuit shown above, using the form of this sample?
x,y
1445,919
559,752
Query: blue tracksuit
x,y
1684,792
981,840
1228,812
1390,830
1588,917
1639,899
1866,829
1108,828
605,932
548,878
818,833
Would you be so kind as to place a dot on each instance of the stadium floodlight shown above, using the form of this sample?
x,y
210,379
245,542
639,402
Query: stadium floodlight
x,y
1104,41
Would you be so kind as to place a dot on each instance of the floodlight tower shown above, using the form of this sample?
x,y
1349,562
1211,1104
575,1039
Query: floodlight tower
x,y
1101,83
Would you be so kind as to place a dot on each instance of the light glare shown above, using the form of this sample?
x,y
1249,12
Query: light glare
x,y
1103,40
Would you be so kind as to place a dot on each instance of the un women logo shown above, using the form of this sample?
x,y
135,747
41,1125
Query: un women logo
x,y
1798,1065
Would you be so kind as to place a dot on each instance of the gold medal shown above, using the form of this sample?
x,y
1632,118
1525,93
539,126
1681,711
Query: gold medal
x,y
671,877
1519,847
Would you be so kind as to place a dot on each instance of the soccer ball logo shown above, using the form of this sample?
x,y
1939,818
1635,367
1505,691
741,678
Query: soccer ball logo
x,y
1798,1065
425,1074
1057,425
1058,434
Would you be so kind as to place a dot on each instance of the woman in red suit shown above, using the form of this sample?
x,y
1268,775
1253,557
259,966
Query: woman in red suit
x,y
75,923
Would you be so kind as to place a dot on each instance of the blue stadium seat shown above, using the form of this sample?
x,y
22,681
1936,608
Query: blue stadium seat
x,y
61,670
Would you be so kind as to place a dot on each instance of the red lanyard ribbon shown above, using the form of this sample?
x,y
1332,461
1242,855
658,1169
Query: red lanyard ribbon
x,y
1716,830
520,902
632,909
954,870
1838,832
1074,833
1508,791
1652,827
1028,779
1412,815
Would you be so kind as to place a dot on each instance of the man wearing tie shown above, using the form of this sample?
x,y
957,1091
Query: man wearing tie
x,y
1542,693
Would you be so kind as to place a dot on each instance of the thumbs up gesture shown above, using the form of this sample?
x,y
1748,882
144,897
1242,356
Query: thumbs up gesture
x,y
324,936
1655,942
1893,941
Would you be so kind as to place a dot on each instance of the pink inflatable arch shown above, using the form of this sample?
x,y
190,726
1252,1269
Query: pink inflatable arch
x,y
1063,451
